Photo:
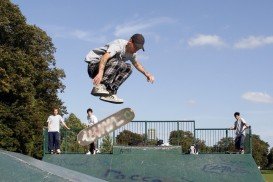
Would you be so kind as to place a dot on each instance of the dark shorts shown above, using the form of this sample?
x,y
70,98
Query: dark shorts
x,y
239,142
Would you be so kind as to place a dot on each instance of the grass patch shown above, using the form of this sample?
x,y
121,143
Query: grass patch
x,y
268,175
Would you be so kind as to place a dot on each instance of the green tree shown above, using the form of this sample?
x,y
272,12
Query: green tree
x,y
183,138
29,82
260,151
201,146
224,145
127,137
106,146
69,137
270,159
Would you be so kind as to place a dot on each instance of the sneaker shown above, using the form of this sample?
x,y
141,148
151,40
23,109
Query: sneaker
x,y
58,151
112,98
88,153
242,152
51,152
99,90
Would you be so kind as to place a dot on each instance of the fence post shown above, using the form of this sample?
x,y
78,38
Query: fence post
x,y
44,140
146,133
114,138
226,140
250,140
65,141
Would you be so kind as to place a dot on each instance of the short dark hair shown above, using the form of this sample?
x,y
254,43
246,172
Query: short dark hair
x,y
138,40
89,110
236,114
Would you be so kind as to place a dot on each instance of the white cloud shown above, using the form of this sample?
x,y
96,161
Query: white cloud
x,y
68,33
253,42
87,36
129,28
191,102
258,97
206,40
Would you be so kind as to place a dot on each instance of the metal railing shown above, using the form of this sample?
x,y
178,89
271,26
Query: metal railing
x,y
151,133
155,130
220,140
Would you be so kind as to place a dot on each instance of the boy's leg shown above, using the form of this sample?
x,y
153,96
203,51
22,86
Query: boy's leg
x,y
116,72
237,143
92,148
100,89
242,139
50,142
92,69
57,142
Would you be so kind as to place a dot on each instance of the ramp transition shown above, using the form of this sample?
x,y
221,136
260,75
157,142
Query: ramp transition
x,y
161,164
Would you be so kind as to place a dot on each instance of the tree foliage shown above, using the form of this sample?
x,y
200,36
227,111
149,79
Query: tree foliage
x,y
224,145
259,151
270,159
29,82
69,137
106,146
183,138
127,137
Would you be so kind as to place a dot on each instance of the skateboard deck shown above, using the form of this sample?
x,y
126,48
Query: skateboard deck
x,y
105,126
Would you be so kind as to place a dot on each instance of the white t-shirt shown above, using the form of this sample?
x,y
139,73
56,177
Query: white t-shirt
x,y
92,120
115,48
54,123
240,126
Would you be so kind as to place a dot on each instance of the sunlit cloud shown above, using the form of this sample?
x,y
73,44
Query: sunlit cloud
x,y
258,97
253,42
140,26
191,102
206,40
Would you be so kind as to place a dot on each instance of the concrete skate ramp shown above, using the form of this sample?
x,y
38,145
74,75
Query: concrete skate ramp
x,y
136,164
18,167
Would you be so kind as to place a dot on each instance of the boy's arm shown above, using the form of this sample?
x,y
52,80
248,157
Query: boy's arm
x,y
62,120
233,127
65,125
140,68
245,124
102,63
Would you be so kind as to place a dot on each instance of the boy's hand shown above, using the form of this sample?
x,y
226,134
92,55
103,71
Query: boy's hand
x,y
150,78
97,79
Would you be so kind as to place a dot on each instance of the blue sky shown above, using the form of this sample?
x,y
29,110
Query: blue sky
x,y
209,58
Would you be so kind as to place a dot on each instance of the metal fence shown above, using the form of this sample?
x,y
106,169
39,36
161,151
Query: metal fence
x,y
184,134
150,132
220,140
155,130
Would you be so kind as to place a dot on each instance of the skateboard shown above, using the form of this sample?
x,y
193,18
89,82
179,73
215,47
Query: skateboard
x,y
105,126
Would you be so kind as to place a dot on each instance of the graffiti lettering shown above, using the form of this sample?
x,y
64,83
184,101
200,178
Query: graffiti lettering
x,y
121,151
223,168
110,173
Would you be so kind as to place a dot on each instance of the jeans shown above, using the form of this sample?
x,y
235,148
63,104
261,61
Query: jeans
x,y
53,141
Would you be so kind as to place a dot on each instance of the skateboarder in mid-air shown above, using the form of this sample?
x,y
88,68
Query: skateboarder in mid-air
x,y
108,68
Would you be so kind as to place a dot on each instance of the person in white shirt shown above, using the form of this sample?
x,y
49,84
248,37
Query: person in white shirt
x,y
54,131
108,69
239,125
91,120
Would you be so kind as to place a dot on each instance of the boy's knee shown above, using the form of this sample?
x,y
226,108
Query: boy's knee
x,y
129,68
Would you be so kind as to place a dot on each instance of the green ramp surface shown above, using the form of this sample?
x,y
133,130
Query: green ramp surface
x,y
136,164
19,167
